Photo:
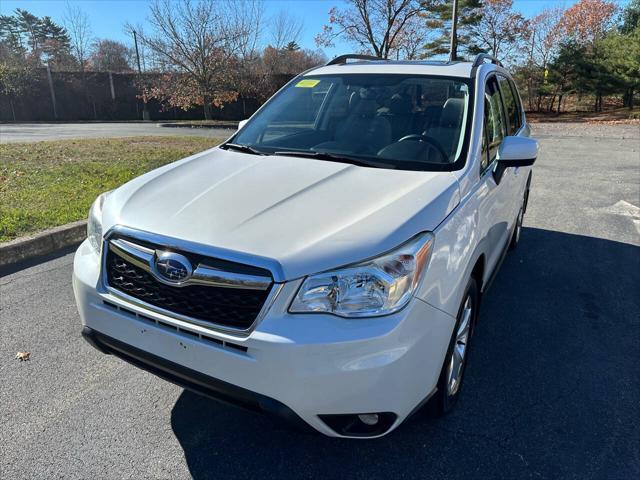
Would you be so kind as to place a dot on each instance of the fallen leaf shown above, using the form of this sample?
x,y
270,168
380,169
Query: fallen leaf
x,y
23,356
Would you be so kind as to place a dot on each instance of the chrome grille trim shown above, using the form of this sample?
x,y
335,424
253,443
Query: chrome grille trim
x,y
143,257
136,254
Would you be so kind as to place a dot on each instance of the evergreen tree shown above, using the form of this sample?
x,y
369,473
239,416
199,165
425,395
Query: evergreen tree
x,y
585,69
11,37
55,44
33,39
439,19
630,17
620,59
292,47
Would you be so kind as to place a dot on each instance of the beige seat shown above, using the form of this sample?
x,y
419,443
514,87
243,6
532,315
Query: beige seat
x,y
447,133
362,130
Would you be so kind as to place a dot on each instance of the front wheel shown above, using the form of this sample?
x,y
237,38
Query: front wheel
x,y
515,238
456,359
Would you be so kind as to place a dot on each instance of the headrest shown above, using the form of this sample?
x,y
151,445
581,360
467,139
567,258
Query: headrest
x,y
366,107
399,105
367,93
354,99
452,112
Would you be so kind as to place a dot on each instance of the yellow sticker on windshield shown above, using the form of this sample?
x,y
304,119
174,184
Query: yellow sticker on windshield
x,y
309,83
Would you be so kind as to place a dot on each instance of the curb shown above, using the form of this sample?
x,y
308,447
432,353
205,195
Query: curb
x,y
43,243
197,125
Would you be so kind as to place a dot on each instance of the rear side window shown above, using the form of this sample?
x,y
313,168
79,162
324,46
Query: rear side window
x,y
510,104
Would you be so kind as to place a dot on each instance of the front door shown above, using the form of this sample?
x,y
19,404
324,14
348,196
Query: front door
x,y
495,213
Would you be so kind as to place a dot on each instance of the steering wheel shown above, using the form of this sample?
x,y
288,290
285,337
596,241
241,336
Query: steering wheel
x,y
432,142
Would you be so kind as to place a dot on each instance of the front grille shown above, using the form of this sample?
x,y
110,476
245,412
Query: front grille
x,y
228,307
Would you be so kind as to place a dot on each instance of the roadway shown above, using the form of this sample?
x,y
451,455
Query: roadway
x,y
36,132
551,390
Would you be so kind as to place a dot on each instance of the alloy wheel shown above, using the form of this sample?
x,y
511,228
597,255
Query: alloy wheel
x,y
459,353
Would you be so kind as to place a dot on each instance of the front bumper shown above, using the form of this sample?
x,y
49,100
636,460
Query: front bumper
x,y
297,366
193,380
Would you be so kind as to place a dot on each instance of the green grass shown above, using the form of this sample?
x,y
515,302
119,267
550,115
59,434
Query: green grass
x,y
215,123
46,184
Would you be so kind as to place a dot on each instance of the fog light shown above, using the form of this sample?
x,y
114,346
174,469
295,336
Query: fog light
x,y
360,425
369,418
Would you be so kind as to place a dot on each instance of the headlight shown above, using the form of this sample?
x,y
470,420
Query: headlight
x,y
372,288
94,223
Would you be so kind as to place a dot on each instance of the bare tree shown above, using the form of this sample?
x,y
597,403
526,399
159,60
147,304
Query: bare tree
x,y
285,28
374,26
146,56
78,27
544,36
500,30
243,20
545,33
110,55
200,45
409,43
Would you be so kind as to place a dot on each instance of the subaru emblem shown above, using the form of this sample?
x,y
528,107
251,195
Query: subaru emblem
x,y
173,267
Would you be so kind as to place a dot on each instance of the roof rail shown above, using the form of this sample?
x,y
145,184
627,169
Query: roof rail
x,y
481,57
342,59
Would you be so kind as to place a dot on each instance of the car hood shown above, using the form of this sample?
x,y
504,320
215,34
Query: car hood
x,y
294,216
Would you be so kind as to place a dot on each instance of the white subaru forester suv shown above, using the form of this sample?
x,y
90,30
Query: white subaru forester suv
x,y
326,263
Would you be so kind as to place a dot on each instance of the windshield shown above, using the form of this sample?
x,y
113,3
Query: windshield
x,y
391,121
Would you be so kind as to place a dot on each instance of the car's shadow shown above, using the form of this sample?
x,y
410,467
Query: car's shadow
x,y
551,390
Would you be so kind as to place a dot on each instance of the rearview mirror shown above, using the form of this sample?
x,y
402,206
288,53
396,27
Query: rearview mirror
x,y
515,152
242,123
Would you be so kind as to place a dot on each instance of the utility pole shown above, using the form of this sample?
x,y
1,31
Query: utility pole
x,y
113,90
52,91
453,49
145,110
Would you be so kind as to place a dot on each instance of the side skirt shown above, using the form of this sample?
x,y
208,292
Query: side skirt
x,y
496,269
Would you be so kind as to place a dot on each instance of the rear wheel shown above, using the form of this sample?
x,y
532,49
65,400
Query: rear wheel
x,y
456,359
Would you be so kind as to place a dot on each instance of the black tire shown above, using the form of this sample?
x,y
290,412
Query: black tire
x,y
444,399
526,194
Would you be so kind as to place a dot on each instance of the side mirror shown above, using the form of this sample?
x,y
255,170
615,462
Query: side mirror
x,y
242,123
515,152
518,151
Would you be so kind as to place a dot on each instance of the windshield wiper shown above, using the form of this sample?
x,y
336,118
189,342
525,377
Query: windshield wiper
x,y
330,157
242,148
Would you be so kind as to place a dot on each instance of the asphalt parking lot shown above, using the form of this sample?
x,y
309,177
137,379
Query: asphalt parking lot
x,y
552,389
36,132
